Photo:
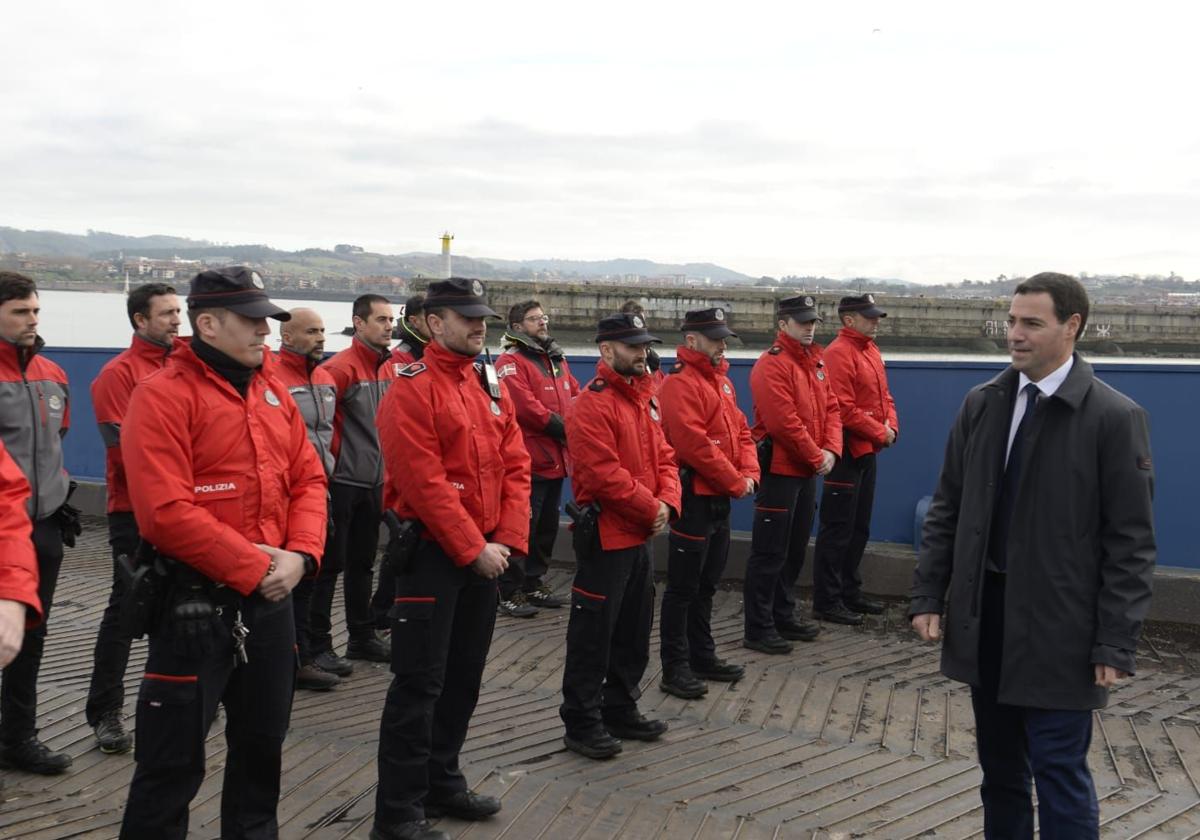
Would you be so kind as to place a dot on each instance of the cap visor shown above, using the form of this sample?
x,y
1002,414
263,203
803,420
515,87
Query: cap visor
x,y
260,309
874,312
472,310
803,317
638,339
717,332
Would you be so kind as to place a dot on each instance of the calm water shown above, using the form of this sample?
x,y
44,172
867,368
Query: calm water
x,y
97,319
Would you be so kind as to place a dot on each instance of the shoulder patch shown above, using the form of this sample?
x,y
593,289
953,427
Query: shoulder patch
x,y
597,384
678,366
412,370
775,350
506,370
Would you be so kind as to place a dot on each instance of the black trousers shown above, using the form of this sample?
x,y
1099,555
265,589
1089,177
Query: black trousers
x,y
783,515
1018,745
845,517
176,706
442,622
608,636
352,548
111,654
698,548
18,689
525,573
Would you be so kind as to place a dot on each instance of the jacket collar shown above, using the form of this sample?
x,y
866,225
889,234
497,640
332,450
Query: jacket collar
x,y
639,391
297,362
184,356
701,362
154,350
526,342
22,356
855,337
369,355
808,355
414,339
448,362
1072,391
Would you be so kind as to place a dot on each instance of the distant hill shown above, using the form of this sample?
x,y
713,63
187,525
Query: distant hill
x,y
98,245
646,268
50,243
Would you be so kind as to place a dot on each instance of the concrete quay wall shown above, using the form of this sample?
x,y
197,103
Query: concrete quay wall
x,y
911,320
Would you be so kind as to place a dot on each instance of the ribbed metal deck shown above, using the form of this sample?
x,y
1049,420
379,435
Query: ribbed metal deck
x,y
855,735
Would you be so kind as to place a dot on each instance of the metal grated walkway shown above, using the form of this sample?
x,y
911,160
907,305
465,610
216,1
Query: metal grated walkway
x,y
854,735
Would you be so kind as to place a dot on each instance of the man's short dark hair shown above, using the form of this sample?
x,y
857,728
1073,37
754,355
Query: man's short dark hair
x,y
631,307
194,313
15,286
364,303
518,311
1068,294
415,305
138,302
439,311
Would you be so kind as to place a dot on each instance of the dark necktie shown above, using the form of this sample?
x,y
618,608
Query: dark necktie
x,y
1006,500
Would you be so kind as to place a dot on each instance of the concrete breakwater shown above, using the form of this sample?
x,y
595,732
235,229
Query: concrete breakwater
x,y
917,322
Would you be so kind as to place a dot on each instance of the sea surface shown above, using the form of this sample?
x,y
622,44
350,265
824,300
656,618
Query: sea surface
x,y
98,319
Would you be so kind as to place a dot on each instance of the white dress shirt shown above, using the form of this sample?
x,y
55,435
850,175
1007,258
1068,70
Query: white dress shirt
x,y
1046,388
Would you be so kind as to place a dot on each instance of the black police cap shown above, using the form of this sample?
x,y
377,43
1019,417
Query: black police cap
x,y
802,309
862,304
711,323
624,327
462,294
236,288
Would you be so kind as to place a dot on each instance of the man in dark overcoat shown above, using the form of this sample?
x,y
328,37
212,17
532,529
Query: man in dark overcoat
x,y
1036,562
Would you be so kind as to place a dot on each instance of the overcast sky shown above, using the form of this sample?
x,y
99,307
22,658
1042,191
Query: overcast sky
x,y
925,141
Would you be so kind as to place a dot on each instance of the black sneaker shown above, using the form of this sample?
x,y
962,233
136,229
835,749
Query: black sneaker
x,y
111,735
415,830
517,606
681,682
599,745
334,664
719,671
465,805
798,630
543,596
370,649
865,605
774,645
632,726
839,615
32,756
312,678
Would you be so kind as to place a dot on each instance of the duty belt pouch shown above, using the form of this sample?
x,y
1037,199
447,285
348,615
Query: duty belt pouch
x,y
192,618
766,449
585,532
143,585
403,537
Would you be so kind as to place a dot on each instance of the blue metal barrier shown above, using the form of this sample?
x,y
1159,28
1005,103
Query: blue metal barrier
x,y
927,397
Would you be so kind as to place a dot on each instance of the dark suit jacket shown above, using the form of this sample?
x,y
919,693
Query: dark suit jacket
x,y
1081,545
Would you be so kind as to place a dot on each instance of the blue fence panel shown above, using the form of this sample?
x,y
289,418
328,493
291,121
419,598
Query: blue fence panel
x,y
927,397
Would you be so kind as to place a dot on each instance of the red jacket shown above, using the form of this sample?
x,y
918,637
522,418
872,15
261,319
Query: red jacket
x,y
111,390
860,384
361,375
793,404
18,563
454,457
542,389
315,394
211,473
705,426
621,457
35,413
